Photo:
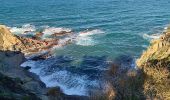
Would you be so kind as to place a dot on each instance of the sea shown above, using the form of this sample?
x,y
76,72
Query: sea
x,y
103,30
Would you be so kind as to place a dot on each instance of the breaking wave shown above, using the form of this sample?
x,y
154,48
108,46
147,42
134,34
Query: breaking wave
x,y
86,38
73,79
51,30
23,29
83,38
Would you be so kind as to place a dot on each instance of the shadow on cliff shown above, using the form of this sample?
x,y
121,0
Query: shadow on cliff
x,y
11,75
122,81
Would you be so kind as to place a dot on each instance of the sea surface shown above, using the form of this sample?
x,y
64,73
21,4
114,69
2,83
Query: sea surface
x,y
103,30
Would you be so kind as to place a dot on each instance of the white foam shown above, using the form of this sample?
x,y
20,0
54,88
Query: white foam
x,y
71,84
152,36
85,41
21,30
51,30
90,32
63,79
85,38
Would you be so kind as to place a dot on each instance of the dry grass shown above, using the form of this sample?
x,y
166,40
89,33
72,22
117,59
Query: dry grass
x,y
127,83
157,82
108,93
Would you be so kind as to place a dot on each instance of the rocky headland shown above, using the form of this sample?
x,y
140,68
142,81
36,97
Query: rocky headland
x,y
155,63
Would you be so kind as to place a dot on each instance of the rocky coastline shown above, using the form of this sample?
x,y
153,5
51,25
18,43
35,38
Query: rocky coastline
x,y
149,81
18,83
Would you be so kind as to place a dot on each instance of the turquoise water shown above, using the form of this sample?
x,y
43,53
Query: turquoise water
x,y
117,28
123,21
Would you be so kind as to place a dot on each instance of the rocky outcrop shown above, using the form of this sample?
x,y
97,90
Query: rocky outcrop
x,y
11,42
159,50
17,83
155,63
7,40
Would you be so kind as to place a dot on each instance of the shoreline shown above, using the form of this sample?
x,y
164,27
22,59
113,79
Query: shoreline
x,y
115,75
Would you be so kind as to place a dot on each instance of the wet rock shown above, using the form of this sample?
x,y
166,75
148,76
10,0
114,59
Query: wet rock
x,y
38,36
62,33
27,68
8,41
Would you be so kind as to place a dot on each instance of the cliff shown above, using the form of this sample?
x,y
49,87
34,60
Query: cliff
x,y
17,83
155,63
159,50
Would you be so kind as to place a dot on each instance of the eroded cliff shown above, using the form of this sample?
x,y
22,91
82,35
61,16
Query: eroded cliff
x,y
155,63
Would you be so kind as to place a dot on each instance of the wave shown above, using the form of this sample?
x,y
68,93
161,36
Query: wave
x,y
51,30
90,32
152,36
85,38
70,83
23,29
29,29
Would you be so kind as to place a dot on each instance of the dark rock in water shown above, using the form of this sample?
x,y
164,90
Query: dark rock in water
x,y
27,68
62,33
38,36
41,57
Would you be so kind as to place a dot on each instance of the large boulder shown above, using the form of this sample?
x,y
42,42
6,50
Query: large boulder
x,y
7,40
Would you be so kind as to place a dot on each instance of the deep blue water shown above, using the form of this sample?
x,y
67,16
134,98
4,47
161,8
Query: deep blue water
x,y
123,24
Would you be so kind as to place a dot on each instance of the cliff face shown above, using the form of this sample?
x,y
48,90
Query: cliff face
x,y
155,63
159,50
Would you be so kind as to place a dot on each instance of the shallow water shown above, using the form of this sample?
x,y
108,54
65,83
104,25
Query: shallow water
x,y
115,27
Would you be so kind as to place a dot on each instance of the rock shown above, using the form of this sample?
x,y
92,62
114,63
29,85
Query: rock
x,y
11,42
11,89
16,83
62,33
42,56
7,40
155,63
158,50
38,36
27,68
